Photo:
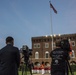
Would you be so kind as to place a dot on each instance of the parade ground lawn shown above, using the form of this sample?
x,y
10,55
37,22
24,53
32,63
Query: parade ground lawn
x,y
73,74
28,73
24,73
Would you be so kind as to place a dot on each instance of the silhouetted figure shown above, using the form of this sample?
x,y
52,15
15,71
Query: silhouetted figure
x,y
59,60
30,66
9,58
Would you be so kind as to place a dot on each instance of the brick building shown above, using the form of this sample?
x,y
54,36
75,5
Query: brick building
x,y
42,46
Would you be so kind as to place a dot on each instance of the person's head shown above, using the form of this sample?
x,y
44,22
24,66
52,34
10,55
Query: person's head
x,y
42,62
10,40
58,43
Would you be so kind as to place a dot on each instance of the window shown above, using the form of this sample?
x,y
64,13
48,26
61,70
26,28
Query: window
x,y
46,45
34,45
73,43
37,45
46,54
36,55
54,45
73,54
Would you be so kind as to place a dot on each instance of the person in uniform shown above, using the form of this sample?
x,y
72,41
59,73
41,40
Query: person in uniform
x,y
42,67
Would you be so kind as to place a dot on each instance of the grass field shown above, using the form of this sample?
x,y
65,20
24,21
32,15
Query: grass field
x,y
73,72
25,73
28,73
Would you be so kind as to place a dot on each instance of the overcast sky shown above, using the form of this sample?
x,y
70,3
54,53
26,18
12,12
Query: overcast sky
x,y
23,19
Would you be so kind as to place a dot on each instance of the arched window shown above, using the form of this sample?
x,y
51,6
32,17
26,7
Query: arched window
x,y
73,54
46,54
37,63
47,63
36,55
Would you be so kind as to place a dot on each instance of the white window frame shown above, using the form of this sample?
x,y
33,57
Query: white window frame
x,y
36,55
36,45
73,54
47,54
54,44
46,45
72,43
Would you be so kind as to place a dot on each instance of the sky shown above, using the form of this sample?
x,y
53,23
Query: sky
x,y
24,19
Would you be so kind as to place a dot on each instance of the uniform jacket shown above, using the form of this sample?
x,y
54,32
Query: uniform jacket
x,y
9,60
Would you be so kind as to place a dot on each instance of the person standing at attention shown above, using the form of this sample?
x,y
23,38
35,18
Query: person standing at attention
x,y
9,58
42,67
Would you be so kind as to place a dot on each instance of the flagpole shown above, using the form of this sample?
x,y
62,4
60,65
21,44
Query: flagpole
x,y
51,25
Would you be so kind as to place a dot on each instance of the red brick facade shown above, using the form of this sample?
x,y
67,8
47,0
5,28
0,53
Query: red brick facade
x,y
42,46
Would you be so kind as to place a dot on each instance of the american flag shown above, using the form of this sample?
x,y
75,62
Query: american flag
x,y
51,6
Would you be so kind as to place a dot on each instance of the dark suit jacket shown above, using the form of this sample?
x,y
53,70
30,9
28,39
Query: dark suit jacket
x,y
9,60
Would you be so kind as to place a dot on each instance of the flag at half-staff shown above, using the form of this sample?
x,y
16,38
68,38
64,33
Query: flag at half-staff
x,y
51,6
